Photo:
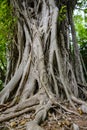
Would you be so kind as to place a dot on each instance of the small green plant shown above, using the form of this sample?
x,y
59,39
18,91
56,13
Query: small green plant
x,y
62,13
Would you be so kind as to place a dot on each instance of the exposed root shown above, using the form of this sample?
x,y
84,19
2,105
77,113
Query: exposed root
x,y
27,103
82,85
23,81
33,126
67,110
5,93
79,101
15,114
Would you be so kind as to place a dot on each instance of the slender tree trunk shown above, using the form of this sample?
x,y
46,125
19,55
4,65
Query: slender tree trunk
x,y
77,61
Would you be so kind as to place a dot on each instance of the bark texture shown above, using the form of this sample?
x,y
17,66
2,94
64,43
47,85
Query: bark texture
x,y
42,72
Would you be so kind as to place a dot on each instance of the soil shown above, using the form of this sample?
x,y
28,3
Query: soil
x,y
57,119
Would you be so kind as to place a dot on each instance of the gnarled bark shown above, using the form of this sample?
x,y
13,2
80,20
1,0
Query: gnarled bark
x,y
44,72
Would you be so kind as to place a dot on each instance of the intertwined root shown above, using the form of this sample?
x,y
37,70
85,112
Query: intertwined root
x,y
43,73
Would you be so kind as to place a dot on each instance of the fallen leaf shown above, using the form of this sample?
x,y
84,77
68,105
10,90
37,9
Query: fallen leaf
x,y
68,123
23,122
80,111
13,124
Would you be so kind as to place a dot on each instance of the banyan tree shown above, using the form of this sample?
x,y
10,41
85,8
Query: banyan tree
x,y
44,64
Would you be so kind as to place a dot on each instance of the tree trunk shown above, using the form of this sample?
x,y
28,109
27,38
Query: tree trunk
x,y
77,61
43,73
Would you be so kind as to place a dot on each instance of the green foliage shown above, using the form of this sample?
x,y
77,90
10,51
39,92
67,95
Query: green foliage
x,y
7,23
62,13
82,3
81,29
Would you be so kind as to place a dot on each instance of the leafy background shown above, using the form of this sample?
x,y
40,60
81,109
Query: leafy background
x,y
7,23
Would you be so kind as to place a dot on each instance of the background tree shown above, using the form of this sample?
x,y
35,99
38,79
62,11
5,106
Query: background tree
x,y
41,69
81,29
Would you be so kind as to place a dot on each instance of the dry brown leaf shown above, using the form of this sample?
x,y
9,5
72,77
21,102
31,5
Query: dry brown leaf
x,y
68,123
80,111
22,122
13,124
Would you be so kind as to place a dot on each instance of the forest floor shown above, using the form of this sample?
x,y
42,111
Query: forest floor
x,y
57,119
